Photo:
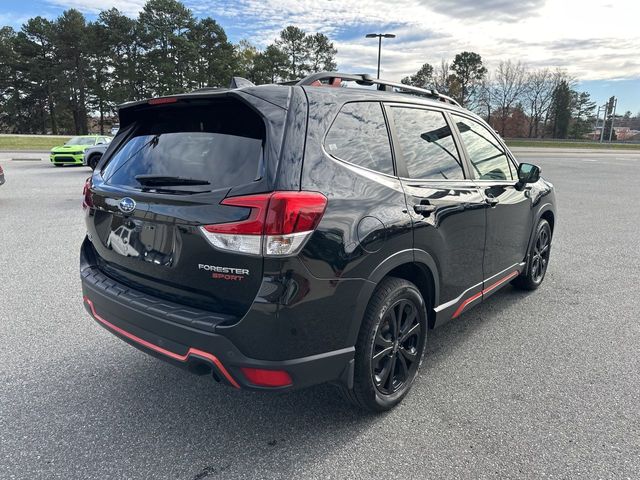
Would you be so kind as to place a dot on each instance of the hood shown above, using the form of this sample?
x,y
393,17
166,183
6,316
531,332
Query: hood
x,y
70,148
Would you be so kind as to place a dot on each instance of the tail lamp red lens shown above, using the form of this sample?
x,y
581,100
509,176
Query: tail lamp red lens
x,y
278,223
162,100
294,212
87,201
267,378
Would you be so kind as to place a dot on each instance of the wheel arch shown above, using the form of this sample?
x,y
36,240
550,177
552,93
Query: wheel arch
x,y
549,216
422,277
547,213
414,265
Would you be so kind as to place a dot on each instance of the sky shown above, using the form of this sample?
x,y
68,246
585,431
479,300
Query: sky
x,y
597,41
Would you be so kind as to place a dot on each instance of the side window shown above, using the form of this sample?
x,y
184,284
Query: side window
x,y
488,159
427,144
359,136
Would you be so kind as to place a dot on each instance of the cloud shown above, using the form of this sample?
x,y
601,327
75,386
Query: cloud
x,y
128,7
484,9
591,40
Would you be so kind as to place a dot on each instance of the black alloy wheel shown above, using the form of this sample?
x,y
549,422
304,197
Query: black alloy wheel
x,y
395,356
540,258
390,346
539,254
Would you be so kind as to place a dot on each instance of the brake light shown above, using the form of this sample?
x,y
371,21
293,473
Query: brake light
x,y
87,201
162,101
267,378
278,224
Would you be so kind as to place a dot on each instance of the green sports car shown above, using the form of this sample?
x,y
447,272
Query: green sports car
x,y
72,152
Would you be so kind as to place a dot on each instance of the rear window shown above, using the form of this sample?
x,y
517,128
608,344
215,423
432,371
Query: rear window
x,y
219,144
359,136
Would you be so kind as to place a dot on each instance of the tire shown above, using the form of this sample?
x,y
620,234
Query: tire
x,y
385,365
58,165
93,161
538,259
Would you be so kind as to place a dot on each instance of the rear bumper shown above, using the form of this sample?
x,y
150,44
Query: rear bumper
x,y
66,159
142,321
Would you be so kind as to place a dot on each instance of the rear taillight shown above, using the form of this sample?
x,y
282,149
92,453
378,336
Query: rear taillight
x,y
278,224
87,201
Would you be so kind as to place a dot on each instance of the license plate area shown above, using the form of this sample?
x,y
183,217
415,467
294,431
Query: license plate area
x,y
146,241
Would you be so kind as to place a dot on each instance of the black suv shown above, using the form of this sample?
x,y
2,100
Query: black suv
x,y
281,236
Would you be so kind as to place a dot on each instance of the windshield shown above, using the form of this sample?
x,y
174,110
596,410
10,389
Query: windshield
x,y
81,141
217,146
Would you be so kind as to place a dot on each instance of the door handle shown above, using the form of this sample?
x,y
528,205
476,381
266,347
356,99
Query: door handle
x,y
493,201
424,209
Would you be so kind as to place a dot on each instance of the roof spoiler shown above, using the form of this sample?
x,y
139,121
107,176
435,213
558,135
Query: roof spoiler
x,y
239,82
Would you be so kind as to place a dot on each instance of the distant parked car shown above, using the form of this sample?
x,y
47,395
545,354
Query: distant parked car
x,y
72,152
92,155
1,176
114,129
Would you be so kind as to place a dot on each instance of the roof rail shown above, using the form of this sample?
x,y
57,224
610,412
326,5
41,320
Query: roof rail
x,y
334,79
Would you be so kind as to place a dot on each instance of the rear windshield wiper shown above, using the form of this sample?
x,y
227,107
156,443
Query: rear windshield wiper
x,y
166,180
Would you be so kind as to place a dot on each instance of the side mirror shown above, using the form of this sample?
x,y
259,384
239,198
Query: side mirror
x,y
528,173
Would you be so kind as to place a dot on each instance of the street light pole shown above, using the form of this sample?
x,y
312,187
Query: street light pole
x,y
379,36
379,53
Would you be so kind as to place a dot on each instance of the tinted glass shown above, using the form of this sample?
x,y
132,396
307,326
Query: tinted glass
x,y
488,159
427,144
220,144
359,136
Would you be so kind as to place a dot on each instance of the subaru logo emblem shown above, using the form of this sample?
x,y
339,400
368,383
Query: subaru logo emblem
x,y
127,205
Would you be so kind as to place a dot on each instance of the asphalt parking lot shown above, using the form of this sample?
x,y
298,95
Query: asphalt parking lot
x,y
527,385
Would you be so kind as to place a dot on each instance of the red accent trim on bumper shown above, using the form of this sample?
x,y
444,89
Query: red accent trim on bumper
x,y
473,298
182,358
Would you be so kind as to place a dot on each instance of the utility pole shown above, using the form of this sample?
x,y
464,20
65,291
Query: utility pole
x,y
379,36
613,117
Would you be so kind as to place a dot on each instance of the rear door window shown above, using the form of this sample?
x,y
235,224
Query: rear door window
x,y
426,142
220,145
359,136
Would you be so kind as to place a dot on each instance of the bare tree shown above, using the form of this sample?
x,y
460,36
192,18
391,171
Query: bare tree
x,y
538,95
483,103
508,90
444,81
